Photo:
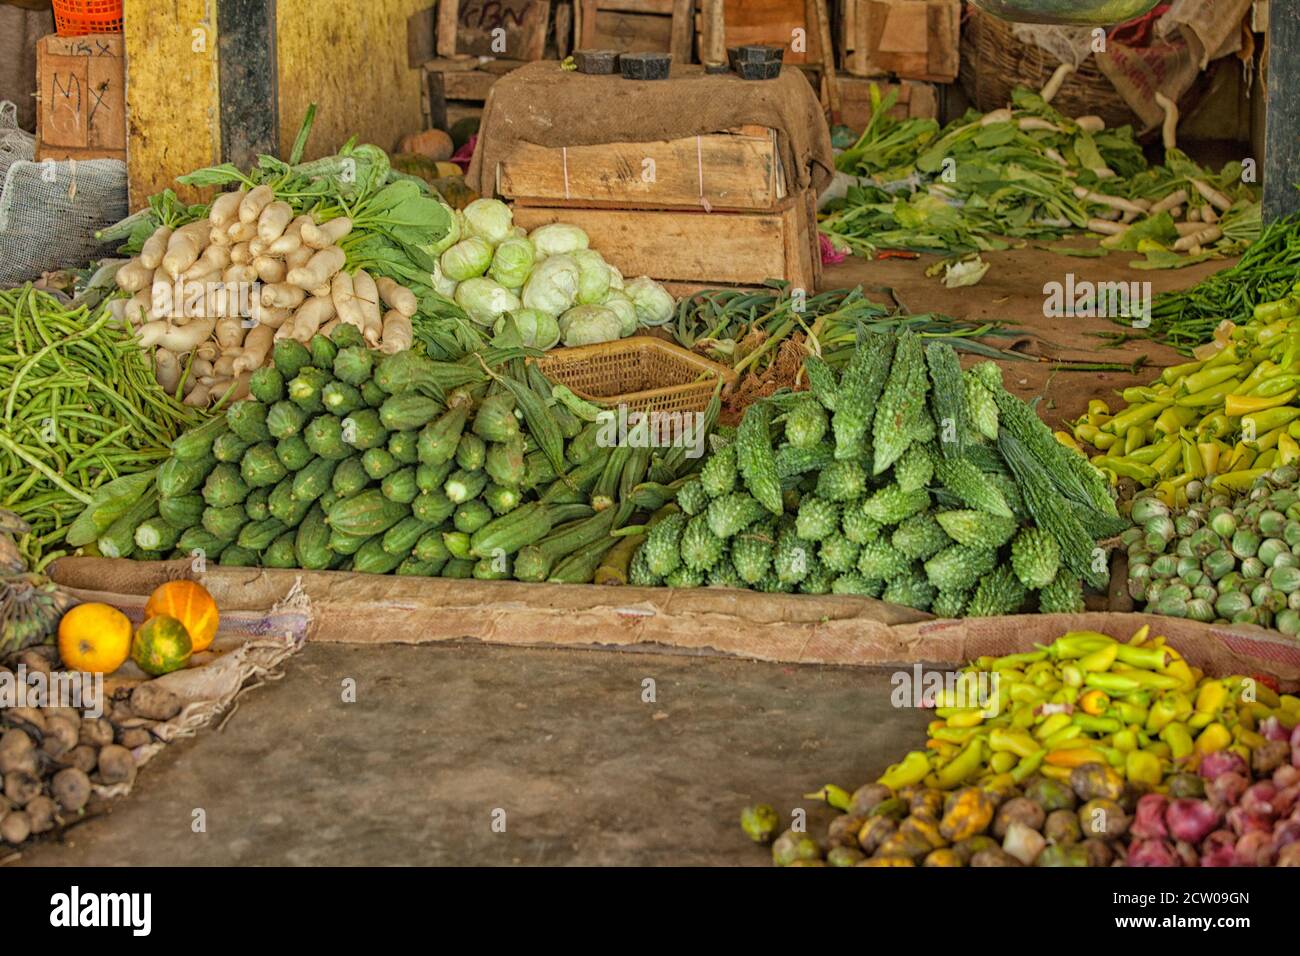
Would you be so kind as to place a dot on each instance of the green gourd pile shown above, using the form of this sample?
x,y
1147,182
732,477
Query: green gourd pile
x,y
903,478
347,459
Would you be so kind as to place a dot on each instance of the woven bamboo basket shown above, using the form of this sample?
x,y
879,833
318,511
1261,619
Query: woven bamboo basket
x,y
994,62
644,373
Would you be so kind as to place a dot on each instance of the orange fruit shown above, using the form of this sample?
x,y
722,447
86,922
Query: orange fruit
x,y
162,645
189,603
94,638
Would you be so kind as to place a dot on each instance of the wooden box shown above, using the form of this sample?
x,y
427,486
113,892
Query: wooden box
x,y
635,26
736,170
912,39
81,97
692,249
916,100
454,88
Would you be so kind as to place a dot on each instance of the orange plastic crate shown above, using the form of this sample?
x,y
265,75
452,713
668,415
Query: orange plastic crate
x,y
74,18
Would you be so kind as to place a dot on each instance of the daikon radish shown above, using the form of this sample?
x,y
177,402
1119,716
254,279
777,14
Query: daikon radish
x,y
1202,238
117,309
198,397
1215,198
217,236
397,296
224,367
367,296
257,346
166,370
162,298
274,221
225,208
311,315
155,247
328,328
1056,157
1101,199
230,334
343,295
285,331
1194,215
291,239
269,269
281,295
252,205
398,334
240,387
374,331
1105,227
1036,124
1175,198
319,269
1056,82
134,276
326,234
183,248
996,116
213,259
179,340
297,258
268,316
241,254
200,367
1209,215
1090,123
1176,212
256,247
243,231
208,351
1189,228
322,291
241,272
1169,129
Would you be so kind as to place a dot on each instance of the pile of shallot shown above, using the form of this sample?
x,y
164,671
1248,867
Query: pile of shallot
x,y
214,295
1228,815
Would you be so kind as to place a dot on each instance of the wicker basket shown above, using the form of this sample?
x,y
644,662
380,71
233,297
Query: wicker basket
x,y
994,62
644,373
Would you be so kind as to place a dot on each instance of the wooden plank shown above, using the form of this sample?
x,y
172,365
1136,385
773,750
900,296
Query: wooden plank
x,y
625,32
788,23
739,172
448,14
914,39
1282,154
713,38
81,98
683,30
468,85
508,28
729,248
250,99
421,37
173,109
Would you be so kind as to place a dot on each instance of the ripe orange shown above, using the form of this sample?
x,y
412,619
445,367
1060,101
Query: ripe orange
x,y
94,638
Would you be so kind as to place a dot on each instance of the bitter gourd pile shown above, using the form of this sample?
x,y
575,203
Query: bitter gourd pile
x,y
345,459
903,478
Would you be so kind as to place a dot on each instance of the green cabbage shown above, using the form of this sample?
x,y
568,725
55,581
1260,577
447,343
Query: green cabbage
x,y
441,284
622,306
489,219
589,324
467,259
553,286
558,239
512,263
484,301
654,306
535,329
593,276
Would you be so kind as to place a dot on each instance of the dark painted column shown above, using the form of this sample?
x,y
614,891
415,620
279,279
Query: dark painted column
x,y
1282,150
250,95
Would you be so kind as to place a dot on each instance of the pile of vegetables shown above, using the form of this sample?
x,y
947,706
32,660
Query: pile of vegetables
x,y
79,408
902,478
1224,418
1029,172
348,459
1265,273
1226,558
30,604
185,284
546,286
1093,750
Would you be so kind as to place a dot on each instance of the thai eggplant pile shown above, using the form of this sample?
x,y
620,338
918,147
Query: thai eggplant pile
x,y
1222,558
1087,752
344,458
1225,418
903,478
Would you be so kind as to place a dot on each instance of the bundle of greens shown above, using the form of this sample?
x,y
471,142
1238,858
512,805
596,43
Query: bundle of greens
x,y
1029,172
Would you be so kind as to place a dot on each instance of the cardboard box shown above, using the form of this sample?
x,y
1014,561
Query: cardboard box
x,y
81,97
911,39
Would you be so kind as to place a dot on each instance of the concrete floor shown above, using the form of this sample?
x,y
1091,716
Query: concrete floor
x,y
442,736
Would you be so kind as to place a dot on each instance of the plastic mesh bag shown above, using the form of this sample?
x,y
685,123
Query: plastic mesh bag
x,y
15,143
50,211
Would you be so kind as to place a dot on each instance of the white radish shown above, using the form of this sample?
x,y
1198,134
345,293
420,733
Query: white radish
x,y
367,296
398,334
996,116
291,239
239,273
225,208
324,290
1106,228
269,316
134,276
1174,199
207,351
213,259
1197,239
1090,123
311,315
257,345
242,231
281,295
328,328
230,334
343,295
1194,215
1168,129
241,386
274,221
319,269
117,310
256,247
1215,198
166,370
198,397
162,297
1189,228
326,234
1209,215
241,254
1036,124
269,269
199,368
1176,212
1115,202
397,296
182,252
217,236
297,258
252,205
155,247
224,367
179,340
1056,82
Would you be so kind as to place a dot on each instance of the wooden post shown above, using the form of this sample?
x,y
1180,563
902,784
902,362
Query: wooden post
x,y
250,88
448,12
1282,139
713,41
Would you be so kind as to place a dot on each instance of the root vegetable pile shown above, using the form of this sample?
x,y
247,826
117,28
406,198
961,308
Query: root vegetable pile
x,y
1088,752
902,478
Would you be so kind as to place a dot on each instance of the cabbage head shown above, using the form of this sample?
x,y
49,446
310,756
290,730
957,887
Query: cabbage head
x,y
558,239
654,306
536,330
441,284
593,276
622,306
589,324
489,219
467,259
512,263
553,286
484,301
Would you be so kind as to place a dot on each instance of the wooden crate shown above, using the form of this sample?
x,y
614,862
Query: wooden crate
x,y
452,88
516,29
735,170
788,23
636,26
912,39
81,97
916,100
698,248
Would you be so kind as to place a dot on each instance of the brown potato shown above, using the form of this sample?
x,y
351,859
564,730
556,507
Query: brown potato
x,y
16,827
60,736
22,787
116,765
1018,810
41,812
84,757
1062,827
97,733
71,788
